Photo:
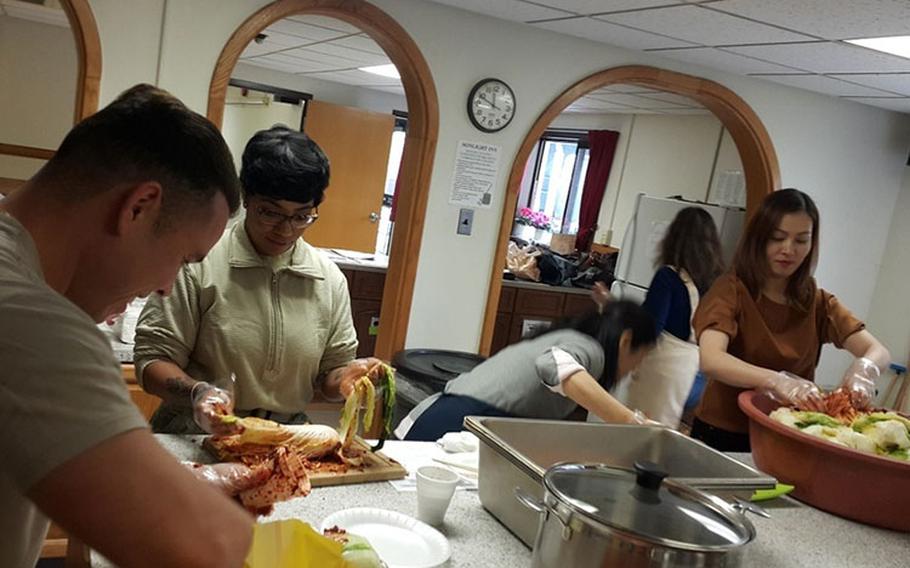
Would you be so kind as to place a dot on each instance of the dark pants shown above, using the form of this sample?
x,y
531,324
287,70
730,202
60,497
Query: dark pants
x,y
447,415
720,439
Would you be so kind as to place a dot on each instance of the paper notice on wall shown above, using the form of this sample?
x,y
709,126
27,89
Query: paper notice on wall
x,y
476,168
730,189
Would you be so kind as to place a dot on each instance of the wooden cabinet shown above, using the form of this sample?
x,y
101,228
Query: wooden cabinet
x,y
522,309
366,289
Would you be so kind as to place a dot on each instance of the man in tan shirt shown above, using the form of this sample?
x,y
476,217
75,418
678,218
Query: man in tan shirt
x,y
134,192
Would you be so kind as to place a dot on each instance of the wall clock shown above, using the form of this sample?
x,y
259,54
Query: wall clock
x,y
491,105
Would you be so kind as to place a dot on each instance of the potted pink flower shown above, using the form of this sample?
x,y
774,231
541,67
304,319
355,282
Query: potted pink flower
x,y
532,225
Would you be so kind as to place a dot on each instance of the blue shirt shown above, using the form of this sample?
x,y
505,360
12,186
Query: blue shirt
x,y
668,303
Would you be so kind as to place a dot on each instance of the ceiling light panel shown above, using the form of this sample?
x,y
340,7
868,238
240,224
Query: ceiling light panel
x,y
705,27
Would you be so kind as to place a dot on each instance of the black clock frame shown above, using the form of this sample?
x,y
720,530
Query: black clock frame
x,y
470,107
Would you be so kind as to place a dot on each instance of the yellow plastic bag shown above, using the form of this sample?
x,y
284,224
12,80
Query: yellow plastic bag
x,y
292,544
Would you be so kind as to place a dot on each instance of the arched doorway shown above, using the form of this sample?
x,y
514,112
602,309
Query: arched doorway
x,y
419,148
88,77
759,160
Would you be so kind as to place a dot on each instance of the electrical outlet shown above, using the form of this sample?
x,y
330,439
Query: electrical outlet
x,y
465,221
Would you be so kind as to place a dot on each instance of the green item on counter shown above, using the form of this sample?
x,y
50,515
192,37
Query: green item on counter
x,y
779,490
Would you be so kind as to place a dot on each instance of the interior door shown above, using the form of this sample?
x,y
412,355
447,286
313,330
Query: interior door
x,y
357,143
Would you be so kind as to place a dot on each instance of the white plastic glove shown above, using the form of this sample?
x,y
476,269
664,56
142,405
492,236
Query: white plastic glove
x,y
640,418
859,381
786,388
210,403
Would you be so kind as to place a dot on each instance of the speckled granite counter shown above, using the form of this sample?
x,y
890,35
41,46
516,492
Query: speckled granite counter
x,y
794,536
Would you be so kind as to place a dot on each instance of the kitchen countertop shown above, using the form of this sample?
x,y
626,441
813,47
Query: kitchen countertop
x,y
544,287
795,536
353,260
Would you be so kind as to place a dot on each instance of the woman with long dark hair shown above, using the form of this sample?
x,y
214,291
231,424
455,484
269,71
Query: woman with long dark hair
x,y
762,325
689,261
548,376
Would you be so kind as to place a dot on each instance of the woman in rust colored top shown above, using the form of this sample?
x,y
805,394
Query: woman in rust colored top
x,y
763,324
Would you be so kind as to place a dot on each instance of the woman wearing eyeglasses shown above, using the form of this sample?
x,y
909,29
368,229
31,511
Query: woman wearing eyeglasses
x,y
264,321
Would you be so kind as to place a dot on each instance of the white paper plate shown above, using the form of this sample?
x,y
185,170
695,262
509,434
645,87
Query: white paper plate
x,y
400,541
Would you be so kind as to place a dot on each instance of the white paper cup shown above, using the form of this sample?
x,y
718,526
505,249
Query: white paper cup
x,y
435,487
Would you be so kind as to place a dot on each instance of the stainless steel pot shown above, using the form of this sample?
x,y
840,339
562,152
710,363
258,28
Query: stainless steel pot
x,y
600,516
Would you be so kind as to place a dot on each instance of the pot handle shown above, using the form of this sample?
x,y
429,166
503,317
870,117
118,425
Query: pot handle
x,y
530,502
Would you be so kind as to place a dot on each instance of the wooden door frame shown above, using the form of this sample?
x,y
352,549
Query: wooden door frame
x,y
88,77
419,147
759,160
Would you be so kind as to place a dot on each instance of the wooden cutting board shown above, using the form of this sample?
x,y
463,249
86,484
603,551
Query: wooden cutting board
x,y
376,467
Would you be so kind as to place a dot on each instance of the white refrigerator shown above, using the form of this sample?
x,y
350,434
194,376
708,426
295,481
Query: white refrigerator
x,y
649,222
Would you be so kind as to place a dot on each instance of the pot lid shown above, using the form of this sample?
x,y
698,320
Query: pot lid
x,y
641,502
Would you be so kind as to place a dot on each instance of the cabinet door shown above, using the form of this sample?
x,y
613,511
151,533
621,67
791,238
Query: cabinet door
x,y
578,304
500,332
506,299
368,285
363,312
539,303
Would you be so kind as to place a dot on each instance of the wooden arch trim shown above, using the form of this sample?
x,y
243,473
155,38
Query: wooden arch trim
x,y
88,49
88,77
759,160
419,147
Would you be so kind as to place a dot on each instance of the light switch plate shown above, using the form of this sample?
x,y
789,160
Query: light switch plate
x,y
465,221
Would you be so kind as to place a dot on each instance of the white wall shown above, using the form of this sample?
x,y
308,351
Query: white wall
x,y
850,157
329,91
243,118
889,314
38,67
667,155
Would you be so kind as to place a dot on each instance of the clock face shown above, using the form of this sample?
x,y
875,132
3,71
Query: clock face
x,y
491,105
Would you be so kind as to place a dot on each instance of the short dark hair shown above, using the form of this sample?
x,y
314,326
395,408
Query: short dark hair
x,y
146,134
607,327
691,243
284,164
751,265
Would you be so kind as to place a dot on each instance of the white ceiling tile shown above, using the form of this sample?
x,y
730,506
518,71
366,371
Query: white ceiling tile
x,y
672,98
635,101
273,64
898,104
326,60
362,42
355,56
327,23
825,85
295,64
726,61
600,6
829,19
515,10
355,77
896,82
599,30
705,27
303,30
827,57
274,41
686,111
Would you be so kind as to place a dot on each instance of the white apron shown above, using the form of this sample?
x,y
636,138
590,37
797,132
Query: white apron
x,y
661,384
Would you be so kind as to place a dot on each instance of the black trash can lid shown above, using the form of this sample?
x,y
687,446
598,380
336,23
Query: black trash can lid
x,y
434,365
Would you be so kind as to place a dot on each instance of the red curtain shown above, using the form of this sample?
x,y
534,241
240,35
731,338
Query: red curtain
x,y
603,147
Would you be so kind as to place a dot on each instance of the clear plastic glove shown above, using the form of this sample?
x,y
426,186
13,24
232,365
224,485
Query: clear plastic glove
x,y
210,404
859,382
229,478
639,417
367,367
600,294
786,388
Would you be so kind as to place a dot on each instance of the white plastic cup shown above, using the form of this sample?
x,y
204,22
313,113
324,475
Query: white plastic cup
x,y
435,487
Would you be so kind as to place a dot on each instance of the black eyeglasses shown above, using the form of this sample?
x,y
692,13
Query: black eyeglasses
x,y
296,221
